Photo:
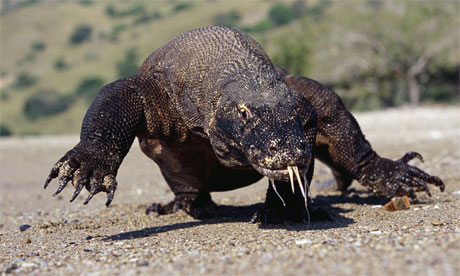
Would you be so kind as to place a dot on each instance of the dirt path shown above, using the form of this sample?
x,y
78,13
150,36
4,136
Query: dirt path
x,y
64,238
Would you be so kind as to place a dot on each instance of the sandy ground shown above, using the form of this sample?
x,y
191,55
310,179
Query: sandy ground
x,y
40,234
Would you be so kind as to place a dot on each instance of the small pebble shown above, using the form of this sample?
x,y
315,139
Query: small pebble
x,y
89,237
437,223
24,227
27,241
304,241
378,232
456,192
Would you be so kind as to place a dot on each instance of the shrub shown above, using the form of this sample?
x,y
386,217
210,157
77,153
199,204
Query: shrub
x,y
259,27
117,29
182,6
86,2
25,79
81,34
227,19
45,103
5,130
111,11
128,66
293,55
144,18
4,95
61,64
38,45
89,87
281,13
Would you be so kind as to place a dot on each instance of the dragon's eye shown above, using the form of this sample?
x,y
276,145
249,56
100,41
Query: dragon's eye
x,y
244,111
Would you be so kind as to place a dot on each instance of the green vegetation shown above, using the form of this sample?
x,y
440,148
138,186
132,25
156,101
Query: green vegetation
x,y
230,18
129,65
45,103
5,130
88,88
375,54
38,45
81,34
24,80
293,55
61,64
146,17
280,13
112,11
182,6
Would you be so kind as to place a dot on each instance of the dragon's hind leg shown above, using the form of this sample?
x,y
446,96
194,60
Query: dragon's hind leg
x,y
198,204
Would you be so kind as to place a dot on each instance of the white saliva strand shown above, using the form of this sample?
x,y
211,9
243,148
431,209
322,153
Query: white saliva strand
x,y
299,181
307,185
276,191
291,178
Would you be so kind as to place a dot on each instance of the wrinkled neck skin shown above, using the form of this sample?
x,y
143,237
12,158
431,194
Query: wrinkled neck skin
x,y
264,126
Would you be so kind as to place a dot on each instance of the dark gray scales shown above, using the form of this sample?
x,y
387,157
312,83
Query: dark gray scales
x,y
215,114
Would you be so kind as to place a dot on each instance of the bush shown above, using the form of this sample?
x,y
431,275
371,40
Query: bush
x,y
5,130
293,55
38,45
182,6
86,2
227,19
281,13
61,64
81,34
128,66
111,11
45,103
25,79
117,29
263,25
89,87
144,18
4,95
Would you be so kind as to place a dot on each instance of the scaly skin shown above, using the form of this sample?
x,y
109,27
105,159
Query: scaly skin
x,y
215,114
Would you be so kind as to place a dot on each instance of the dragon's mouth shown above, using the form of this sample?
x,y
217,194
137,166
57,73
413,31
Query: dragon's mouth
x,y
280,174
287,174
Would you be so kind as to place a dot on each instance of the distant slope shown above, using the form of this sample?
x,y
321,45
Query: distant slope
x,y
52,23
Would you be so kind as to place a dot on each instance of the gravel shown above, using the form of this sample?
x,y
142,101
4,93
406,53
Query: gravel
x,y
40,234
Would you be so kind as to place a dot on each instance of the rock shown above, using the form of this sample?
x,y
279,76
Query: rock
x,y
27,241
9,268
24,227
397,204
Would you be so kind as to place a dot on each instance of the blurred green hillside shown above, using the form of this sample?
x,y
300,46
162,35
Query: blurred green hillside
x,y
56,55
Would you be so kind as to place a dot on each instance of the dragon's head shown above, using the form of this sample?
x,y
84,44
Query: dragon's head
x,y
271,128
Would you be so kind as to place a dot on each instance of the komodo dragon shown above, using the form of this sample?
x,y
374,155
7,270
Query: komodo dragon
x,y
215,114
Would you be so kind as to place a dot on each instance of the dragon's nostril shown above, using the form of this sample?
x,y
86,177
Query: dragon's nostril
x,y
272,146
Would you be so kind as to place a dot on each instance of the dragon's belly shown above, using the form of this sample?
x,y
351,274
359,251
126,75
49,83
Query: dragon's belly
x,y
193,163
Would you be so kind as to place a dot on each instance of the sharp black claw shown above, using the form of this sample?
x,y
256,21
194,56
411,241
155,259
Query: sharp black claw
x,y
77,190
62,183
51,176
47,182
91,194
110,195
411,155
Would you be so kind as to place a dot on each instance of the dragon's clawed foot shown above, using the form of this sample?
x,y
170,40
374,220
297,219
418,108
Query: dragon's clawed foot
x,y
84,170
398,178
200,207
